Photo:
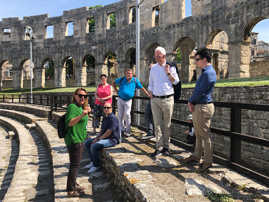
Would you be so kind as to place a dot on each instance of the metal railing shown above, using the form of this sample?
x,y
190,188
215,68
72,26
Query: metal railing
x,y
61,101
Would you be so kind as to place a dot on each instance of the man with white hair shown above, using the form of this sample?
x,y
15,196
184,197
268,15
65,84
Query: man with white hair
x,y
161,79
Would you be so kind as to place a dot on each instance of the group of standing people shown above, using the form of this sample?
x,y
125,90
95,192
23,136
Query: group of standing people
x,y
161,93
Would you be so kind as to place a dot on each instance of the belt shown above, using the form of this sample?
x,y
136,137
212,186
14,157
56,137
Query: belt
x,y
205,103
163,97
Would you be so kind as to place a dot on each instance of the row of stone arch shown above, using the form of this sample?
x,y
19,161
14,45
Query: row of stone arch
x,y
218,41
69,74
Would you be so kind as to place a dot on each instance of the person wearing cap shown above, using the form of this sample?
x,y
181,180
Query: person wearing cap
x,y
161,80
202,108
191,136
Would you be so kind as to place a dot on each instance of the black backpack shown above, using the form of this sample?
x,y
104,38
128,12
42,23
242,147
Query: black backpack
x,y
177,87
61,126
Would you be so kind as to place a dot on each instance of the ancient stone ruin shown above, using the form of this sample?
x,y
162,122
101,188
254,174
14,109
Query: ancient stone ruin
x,y
73,49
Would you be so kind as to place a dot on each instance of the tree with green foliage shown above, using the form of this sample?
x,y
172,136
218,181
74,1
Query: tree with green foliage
x,y
178,56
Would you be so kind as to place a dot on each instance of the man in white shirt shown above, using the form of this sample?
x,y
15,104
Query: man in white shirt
x,y
161,80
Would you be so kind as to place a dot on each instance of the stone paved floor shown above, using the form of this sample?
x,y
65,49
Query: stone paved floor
x,y
168,179
163,179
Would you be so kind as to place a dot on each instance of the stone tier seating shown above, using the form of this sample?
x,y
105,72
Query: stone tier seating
x,y
141,178
25,176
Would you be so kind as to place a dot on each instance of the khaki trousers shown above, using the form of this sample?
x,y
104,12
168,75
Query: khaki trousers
x,y
201,120
162,111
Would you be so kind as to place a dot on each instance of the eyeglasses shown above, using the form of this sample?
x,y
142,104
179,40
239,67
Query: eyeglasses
x,y
107,107
80,96
197,59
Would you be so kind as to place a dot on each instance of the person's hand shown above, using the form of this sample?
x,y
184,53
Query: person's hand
x,y
88,109
95,140
191,107
167,69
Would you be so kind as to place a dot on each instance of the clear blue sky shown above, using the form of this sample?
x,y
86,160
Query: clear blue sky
x,y
20,8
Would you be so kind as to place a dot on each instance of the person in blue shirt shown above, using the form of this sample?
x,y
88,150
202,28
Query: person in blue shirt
x,y
202,108
127,86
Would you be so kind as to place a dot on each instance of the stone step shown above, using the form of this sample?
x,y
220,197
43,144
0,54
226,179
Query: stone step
x,y
37,110
21,116
5,153
166,178
25,176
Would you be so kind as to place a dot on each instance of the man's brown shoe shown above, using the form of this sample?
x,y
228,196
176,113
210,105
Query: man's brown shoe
x,y
190,159
73,194
204,168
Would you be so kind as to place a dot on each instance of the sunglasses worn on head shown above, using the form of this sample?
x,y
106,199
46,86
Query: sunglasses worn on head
x,y
80,96
107,107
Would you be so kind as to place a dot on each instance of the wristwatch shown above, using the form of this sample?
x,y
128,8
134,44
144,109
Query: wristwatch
x,y
169,74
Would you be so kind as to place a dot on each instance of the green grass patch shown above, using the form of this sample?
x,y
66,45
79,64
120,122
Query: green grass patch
x,y
44,90
262,81
219,197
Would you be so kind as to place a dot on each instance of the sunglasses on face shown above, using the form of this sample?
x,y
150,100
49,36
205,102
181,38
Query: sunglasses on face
x,y
197,59
107,107
80,96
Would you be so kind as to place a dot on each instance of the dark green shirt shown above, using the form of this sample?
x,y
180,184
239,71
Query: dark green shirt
x,y
78,132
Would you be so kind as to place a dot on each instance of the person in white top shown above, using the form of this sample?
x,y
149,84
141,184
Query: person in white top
x,y
161,79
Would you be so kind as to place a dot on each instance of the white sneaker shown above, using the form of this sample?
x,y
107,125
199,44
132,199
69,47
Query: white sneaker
x,y
89,165
93,169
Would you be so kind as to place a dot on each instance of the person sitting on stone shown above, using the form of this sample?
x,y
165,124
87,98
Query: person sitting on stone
x,y
109,137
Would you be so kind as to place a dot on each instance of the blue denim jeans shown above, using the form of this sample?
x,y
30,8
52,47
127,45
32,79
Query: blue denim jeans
x,y
149,119
94,149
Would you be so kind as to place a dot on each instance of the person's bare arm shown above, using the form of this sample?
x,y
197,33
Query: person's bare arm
x,y
105,135
115,86
146,92
75,120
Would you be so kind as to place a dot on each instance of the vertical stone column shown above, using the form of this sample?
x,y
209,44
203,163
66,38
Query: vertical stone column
x,y
17,79
60,77
1,78
239,59
81,75
39,76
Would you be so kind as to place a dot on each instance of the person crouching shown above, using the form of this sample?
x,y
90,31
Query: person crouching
x,y
109,137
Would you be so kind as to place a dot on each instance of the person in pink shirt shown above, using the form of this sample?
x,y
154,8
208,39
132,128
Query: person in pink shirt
x,y
103,95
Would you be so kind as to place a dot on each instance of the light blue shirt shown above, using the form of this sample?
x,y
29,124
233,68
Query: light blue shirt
x,y
159,83
127,89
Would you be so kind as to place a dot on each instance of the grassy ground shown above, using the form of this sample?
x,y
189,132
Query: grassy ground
x,y
45,90
262,81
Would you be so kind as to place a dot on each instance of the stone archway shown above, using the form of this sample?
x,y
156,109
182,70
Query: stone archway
x,y
67,74
23,74
130,59
88,68
5,74
47,73
218,44
187,65
110,66
259,47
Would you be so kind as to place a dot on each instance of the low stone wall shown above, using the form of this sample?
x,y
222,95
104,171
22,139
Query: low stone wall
x,y
253,123
259,68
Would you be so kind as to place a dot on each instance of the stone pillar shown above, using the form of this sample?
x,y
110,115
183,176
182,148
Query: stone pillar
x,y
39,78
60,77
239,59
81,76
17,79
1,78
